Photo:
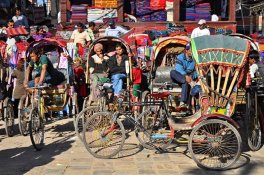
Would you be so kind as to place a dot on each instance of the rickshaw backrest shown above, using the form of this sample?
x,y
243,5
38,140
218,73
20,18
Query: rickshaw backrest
x,y
219,63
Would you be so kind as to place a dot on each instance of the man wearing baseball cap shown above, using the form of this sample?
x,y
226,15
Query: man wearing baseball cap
x,y
114,30
183,74
201,30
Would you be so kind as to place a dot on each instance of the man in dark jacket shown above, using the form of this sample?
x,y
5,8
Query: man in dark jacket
x,y
117,69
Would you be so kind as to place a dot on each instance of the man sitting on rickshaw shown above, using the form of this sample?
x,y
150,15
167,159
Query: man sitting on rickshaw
x,y
45,72
183,75
117,69
97,69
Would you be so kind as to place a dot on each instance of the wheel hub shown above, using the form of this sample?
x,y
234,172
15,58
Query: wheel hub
x,y
215,141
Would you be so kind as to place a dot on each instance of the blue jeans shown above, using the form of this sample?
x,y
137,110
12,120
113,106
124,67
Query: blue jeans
x,y
196,90
180,79
117,81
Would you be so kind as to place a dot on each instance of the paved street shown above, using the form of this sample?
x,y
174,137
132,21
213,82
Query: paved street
x,y
65,154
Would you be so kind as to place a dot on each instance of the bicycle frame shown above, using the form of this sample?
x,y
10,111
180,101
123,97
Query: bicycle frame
x,y
38,101
130,116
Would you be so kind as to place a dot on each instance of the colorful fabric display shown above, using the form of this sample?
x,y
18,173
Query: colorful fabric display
x,y
79,13
157,4
97,15
203,11
145,18
159,16
190,14
143,7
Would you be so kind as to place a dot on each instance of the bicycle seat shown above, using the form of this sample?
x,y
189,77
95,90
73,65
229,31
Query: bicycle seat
x,y
160,95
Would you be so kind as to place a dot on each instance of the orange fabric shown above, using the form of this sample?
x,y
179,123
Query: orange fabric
x,y
16,31
157,4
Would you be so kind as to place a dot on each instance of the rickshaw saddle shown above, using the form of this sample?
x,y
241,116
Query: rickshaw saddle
x,y
160,95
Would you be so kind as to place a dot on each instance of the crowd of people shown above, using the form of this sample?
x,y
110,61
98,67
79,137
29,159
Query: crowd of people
x,y
100,65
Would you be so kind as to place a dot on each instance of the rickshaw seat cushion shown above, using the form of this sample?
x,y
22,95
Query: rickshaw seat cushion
x,y
160,95
163,73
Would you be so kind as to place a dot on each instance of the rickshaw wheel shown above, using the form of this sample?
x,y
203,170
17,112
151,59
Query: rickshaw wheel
x,y
103,137
82,117
85,103
73,106
36,129
9,119
215,144
153,125
145,98
23,116
253,128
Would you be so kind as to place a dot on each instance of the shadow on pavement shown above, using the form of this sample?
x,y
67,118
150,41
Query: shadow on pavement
x,y
242,166
129,150
22,159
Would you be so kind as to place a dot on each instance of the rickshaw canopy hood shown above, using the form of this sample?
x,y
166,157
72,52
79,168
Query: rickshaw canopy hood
x,y
163,42
108,39
45,42
220,50
253,44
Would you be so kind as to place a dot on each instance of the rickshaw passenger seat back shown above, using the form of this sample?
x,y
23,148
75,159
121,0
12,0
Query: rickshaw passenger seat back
x,y
219,63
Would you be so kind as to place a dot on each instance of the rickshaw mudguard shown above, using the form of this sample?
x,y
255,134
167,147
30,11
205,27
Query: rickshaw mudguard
x,y
215,116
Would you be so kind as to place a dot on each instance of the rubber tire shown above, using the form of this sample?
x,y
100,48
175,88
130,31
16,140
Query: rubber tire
x,y
37,146
79,117
23,130
249,118
235,131
123,132
9,129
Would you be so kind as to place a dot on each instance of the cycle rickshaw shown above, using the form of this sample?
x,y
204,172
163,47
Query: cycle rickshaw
x,y
210,132
6,106
44,100
250,99
104,88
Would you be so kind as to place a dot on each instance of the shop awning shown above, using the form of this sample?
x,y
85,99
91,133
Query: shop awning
x,y
4,3
17,31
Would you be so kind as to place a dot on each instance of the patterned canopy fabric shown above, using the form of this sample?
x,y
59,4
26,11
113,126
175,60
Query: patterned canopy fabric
x,y
220,50
182,40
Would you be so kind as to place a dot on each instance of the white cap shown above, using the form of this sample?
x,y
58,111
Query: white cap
x,y
202,21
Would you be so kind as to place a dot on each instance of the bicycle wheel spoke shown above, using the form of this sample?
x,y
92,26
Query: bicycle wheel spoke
x,y
222,147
